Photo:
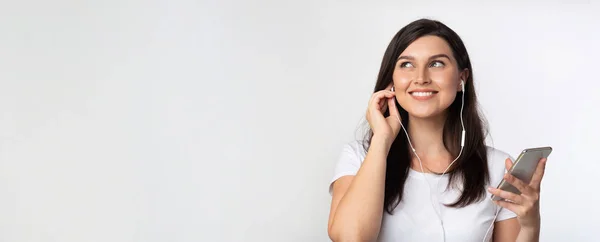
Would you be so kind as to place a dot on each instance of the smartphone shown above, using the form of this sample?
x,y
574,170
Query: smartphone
x,y
523,168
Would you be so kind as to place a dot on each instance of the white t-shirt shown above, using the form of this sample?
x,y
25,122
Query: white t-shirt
x,y
415,219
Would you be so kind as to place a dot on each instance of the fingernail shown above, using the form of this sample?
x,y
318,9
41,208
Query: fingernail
x,y
490,189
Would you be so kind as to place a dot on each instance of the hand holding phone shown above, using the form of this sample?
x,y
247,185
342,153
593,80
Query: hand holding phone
x,y
524,169
519,191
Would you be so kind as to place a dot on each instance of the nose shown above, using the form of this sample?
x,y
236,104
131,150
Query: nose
x,y
422,77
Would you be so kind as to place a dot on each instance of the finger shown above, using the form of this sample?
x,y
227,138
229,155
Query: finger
x,y
393,109
536,180
383,102
508,163
384,105
378,96
374,98
516,182
510,206
506,195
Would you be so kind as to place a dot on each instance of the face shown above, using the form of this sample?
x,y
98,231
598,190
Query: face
x,y
426,77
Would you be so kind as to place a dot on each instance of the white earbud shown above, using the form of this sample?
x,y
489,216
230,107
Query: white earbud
x,y
462,85
392,89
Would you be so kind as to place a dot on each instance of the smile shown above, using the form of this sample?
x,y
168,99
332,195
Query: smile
x,y
423,95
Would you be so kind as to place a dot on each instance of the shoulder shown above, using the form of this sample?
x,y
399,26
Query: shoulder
x,y
349,160
497,168
496,163
356,148
496,155
352,154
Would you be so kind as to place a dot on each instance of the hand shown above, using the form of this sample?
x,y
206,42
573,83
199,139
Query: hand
x,y
389,127
526,205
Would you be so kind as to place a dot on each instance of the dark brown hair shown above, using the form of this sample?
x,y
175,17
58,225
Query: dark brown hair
x,y
470,172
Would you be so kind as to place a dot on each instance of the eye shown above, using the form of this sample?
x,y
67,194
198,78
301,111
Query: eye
x,y
405,65
437,64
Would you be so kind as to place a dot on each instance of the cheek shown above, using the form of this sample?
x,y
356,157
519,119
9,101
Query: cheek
x,y
443,78
447,83
447,98
401,80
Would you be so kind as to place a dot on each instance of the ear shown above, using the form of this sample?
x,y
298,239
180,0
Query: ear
x,y
464,75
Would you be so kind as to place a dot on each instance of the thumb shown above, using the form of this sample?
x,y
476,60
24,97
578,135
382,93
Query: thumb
x,y
508,163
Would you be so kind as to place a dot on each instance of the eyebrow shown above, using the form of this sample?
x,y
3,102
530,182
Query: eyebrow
x,y
432,57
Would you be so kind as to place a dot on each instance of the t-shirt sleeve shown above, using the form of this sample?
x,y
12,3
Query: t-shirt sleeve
x,y
348,163
504,213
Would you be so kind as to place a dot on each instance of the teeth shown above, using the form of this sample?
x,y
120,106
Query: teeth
x,y
422,94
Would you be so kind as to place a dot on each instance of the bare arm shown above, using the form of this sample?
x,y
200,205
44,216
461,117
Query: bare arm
x,y
506,230
510,231
357,203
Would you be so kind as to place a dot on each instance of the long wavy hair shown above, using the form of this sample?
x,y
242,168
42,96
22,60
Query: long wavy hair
x,y
470,172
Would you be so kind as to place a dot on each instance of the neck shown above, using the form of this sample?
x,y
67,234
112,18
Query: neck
x,y
426,136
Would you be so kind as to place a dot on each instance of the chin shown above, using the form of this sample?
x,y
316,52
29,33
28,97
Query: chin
x,y
425,112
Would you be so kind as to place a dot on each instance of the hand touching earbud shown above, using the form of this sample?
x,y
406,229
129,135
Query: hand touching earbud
x,y
386,128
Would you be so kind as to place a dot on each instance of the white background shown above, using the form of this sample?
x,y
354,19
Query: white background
x,y
222,121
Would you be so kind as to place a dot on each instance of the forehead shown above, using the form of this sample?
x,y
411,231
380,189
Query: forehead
x,y
427,46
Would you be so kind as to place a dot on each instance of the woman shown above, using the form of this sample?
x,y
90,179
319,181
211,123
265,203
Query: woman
x,y
431,182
